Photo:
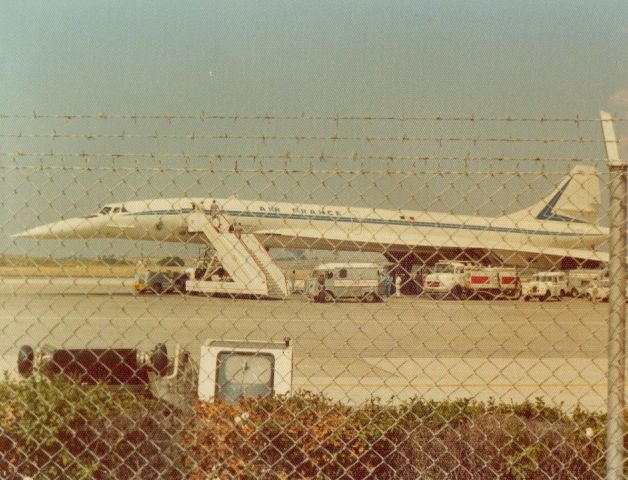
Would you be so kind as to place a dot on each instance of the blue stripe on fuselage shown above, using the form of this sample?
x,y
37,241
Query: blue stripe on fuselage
x,y
375,221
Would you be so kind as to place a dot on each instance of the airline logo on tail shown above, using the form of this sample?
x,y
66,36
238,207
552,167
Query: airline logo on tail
x,y
576,200
547,213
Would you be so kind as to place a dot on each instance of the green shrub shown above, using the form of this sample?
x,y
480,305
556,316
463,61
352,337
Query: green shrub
x,y
57,428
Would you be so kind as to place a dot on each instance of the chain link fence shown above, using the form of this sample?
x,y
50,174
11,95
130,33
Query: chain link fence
x,y
237,296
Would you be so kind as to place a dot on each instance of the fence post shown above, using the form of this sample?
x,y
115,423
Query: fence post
x,y
617,306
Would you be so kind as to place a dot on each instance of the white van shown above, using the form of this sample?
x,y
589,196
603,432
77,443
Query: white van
x,y
350,280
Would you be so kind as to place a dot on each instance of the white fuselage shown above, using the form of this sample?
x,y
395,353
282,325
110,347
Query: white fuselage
x,y
561,226
327,227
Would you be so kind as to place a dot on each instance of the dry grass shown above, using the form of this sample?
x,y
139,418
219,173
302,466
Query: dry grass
x,y
87,270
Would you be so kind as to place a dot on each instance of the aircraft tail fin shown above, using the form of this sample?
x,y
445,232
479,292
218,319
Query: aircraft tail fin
x,y
576,199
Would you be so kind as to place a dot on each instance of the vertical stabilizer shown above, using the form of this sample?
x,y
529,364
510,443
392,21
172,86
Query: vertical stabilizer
x,y
576,199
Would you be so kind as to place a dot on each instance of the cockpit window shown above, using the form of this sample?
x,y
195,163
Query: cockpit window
x,y
105,211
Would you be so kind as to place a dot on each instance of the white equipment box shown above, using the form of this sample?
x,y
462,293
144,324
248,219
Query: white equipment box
x,y
231,369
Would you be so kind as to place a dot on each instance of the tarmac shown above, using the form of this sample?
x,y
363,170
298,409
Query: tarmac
x,y
402,348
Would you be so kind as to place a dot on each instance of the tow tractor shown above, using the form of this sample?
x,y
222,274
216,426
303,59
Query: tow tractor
x,y
160,280
227,370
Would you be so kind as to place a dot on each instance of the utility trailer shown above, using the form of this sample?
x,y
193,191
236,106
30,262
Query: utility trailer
x,y
148,373
228,369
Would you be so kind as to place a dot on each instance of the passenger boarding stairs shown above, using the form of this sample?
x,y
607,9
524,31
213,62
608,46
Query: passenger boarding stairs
x,y
251,268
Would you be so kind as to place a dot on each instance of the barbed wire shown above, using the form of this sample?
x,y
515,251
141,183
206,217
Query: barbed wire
x,y
299,138
333,118
83,293
412,172
288,156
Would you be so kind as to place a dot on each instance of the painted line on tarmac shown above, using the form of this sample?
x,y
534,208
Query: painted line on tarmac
x,y
375,384
302,320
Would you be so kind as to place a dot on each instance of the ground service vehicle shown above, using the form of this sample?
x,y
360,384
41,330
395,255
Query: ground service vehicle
x,y
580,280
461,280
493,282
545,285
160,281
143,373
447,279
231,369
350,280
228,370
598,291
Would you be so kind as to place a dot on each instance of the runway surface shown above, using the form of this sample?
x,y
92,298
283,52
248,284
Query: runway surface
x,y
508,350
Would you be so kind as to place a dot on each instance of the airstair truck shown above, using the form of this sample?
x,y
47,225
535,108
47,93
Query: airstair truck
x,y
248,267
460,280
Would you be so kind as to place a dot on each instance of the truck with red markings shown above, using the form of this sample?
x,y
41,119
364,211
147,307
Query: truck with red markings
x,y
461,280
493,282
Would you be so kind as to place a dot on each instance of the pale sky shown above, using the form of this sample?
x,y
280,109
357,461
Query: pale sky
x,y
429,57
422,58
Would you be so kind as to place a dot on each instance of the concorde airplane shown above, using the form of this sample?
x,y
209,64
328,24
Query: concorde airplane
x,y
559,231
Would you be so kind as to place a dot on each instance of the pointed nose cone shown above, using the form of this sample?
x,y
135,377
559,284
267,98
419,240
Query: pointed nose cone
x,y
65,229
